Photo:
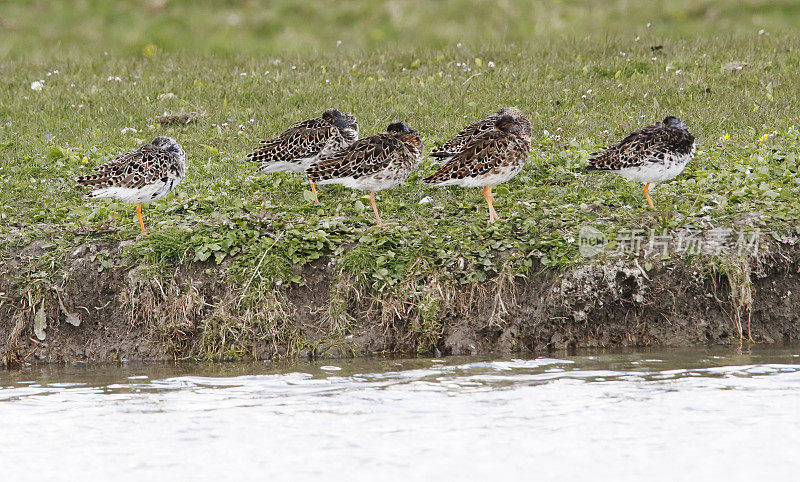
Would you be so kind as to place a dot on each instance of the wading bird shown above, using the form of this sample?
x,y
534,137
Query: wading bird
x,y
305,142
373,163
141,176
493,157
653,154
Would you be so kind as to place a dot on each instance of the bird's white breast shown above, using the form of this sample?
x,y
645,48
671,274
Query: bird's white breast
x,y
656,170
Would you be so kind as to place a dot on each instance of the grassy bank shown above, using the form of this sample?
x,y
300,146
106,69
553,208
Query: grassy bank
x,y
585,77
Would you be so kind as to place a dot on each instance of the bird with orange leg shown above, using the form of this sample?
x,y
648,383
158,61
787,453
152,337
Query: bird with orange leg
x,y
140,176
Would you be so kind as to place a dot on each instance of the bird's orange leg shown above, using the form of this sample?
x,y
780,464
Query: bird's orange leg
x,y
647,195
314,190
487,194
139,214
375,210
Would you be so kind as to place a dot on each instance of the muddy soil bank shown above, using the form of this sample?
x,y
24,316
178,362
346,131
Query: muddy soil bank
x,y
100,309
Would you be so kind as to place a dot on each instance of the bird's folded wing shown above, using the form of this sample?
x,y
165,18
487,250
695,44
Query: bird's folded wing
x,y
481,155
362,158
461,139
298,142
635,150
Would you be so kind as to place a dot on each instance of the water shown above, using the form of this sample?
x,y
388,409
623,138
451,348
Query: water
x,y
657,415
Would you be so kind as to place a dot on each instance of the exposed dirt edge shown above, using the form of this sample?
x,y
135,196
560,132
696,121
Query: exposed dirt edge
x,y
127,314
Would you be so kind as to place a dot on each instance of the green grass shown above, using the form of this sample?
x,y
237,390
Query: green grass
x,y
584,72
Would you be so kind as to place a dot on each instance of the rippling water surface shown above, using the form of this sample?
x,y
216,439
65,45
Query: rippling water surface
x,y
656,415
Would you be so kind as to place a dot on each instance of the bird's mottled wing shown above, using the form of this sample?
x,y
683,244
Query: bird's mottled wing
x,y
492,150
131,170
362,158
466,134
303,140
637,149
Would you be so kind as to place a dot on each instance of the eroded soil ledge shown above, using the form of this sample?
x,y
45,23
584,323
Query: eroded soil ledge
x,y
126,313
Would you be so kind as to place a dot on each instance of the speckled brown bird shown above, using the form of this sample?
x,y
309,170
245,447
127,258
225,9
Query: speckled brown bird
x,y
141,176
653,154
455,145
491,158
373,163
305,142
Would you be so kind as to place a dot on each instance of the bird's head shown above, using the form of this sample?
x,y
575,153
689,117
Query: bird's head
x,y
519,116
398,128
673,122
406,134
345,121
512,111
332,115
506,123
166,143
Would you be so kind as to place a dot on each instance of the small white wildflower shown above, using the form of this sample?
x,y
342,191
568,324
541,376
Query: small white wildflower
x,y
648,24
458,45
761,32
637,38
128,129
327,81
243,74
294,67
37,85
276,61
338,43
252,120
426,200
490,64
266,72
114,78
224,124
241,127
